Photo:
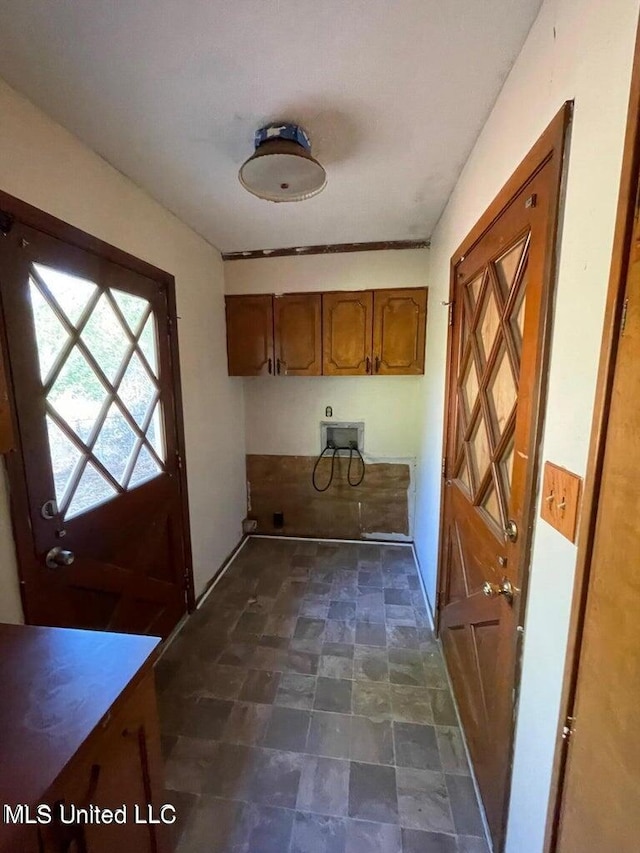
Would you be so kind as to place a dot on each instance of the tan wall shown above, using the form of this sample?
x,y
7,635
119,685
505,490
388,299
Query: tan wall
x,y
43,164
582,50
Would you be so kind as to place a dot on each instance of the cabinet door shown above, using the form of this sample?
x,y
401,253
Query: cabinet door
x,y
347,324
7,436
399,323
298,334
250,335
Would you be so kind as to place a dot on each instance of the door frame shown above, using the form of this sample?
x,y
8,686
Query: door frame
x,y
33,217
627,211
551,147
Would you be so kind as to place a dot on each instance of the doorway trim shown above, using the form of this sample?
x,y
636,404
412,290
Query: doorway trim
x,y
33,217
550,149
627,210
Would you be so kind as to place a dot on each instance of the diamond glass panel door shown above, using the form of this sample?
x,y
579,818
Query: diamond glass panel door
x,y
93,366
98,355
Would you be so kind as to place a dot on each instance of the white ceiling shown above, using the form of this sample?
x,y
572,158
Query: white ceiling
x,y
393,93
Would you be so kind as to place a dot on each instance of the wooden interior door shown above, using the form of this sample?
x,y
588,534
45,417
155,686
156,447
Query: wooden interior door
x,y
297,319
347,320
399,324
250,335
497,358
97,490
599,804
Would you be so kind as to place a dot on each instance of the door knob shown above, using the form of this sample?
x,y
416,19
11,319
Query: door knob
x,y
504,588
58,557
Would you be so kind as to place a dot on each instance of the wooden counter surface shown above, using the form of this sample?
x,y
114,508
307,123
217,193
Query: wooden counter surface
x,y
57,685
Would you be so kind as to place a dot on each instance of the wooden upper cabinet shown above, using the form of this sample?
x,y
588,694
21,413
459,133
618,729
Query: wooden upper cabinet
x,y
347,323
250,335
297,320
399,324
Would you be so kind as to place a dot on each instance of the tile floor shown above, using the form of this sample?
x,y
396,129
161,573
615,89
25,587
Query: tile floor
x,y
305,709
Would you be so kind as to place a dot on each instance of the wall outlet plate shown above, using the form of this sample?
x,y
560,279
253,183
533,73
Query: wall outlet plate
x,y
249,525
561,498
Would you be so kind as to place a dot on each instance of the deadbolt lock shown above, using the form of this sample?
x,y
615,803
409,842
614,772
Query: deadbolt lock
x,y
511,531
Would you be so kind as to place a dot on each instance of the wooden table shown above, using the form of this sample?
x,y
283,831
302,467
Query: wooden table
x,y
78,727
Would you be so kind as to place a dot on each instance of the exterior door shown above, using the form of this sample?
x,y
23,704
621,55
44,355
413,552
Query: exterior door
x,y
501,297
297,320
97,493
399,323
250,335
347,327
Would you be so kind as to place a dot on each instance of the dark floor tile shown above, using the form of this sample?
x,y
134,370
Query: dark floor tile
x,y
318,834
370,633
371,578
223,682
370,664
333,694
265,829
318,591
329,734
251,623
398,596
304,663
472,844
331,666
269,659
301,645
371,699
237,654
444,712
275,778
184,805
416,746
397,614
287,729
187,766
402,637
423,800
167,742
215,826
296,691
452,753
371,740
411,704
340,650
260,604
279,625
321,574
231,771
464,805
342,610
324,786
340,631
416,841
345,589
414,582
260,686
364,836
372,793
197,718
247,723
436,678
309,629
405,667
314,609
269,642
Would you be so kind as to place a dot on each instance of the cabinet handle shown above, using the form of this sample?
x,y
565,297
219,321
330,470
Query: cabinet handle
x,y
270,365
278,366
368,364
377,363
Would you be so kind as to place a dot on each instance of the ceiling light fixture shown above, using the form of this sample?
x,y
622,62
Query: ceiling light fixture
x,y
282,168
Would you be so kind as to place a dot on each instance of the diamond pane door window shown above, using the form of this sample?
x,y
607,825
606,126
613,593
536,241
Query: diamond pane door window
x,y
98,356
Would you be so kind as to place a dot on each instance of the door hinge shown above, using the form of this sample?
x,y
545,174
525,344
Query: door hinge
x,y
569,728
451,306
623,318
438,600
443,467
186,578
178,460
